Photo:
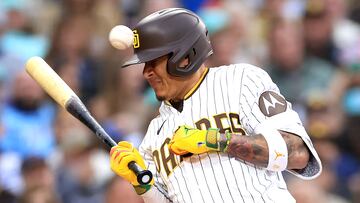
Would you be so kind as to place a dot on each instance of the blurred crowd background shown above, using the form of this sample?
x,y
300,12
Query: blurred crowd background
x,y
311,49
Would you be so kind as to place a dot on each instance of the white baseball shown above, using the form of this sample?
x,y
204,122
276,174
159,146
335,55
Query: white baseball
x,y
121,37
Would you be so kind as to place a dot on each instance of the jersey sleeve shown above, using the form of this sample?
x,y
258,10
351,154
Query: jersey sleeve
x,y
158,193
261,100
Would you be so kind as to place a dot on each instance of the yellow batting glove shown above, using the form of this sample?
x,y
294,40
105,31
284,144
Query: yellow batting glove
x,y
192,140
121,155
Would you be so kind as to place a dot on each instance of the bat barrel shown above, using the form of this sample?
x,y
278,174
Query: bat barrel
x,y
47,78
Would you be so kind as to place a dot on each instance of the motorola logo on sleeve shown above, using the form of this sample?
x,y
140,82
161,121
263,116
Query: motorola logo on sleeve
x,y
272,103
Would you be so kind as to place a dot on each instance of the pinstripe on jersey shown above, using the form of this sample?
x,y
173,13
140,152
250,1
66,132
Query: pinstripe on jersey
x,y
227,98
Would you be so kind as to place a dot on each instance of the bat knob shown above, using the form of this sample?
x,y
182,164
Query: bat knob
x,y
144,177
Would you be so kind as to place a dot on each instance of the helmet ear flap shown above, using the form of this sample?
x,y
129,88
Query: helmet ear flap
x,y
197,54
191,56
174,66
184,63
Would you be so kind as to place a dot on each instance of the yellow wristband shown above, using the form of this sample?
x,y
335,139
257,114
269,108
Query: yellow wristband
x,y
212,138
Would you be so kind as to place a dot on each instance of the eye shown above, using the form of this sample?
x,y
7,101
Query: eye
x,y
157,61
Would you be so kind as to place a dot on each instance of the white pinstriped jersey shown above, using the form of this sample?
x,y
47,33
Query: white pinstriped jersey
x,y
227,97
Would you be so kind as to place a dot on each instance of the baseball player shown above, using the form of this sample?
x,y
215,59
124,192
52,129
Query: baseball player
x,y
223,134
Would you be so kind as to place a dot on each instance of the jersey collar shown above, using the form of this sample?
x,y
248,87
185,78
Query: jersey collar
x,y
196,86
190,93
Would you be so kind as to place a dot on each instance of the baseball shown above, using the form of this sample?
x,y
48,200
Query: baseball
x,y
121,37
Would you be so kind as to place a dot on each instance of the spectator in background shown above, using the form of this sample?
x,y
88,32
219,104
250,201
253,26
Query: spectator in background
x,y
318,29
37,195
27,128
69,56
355,187
249,49
328,183
11,184
230,33
310,192
19,38
348,167
6,196
75,7
131,112
223,46
39,185
354,11
297,75
36,173
11,60
152,6
27,120
217,20
2,90
125,104
346,32
103,16
81,175
267,12
10,65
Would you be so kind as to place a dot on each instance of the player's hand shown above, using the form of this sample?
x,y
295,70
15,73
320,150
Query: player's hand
x,y
192,140
121,155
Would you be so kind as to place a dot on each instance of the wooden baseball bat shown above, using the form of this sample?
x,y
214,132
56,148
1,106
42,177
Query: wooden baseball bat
x,y
51,82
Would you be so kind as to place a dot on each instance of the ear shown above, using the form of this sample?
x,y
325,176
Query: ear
x,y
184,63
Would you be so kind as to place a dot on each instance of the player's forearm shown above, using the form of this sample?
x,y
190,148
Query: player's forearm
x,y
254,149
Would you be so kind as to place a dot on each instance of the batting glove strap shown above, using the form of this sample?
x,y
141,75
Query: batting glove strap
x,y
217,141
141,189
212,137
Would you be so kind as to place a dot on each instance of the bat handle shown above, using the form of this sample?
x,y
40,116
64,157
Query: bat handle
x,y
77,109
144,177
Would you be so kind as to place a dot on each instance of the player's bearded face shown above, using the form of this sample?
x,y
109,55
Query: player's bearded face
x,y
166,87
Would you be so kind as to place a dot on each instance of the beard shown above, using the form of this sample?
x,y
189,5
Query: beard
x,y
25,104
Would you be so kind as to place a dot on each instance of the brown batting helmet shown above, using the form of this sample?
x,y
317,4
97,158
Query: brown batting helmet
x,y
177,32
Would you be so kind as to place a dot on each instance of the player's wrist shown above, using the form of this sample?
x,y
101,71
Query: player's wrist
x,y
211,138
141,189
217,141
224,140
